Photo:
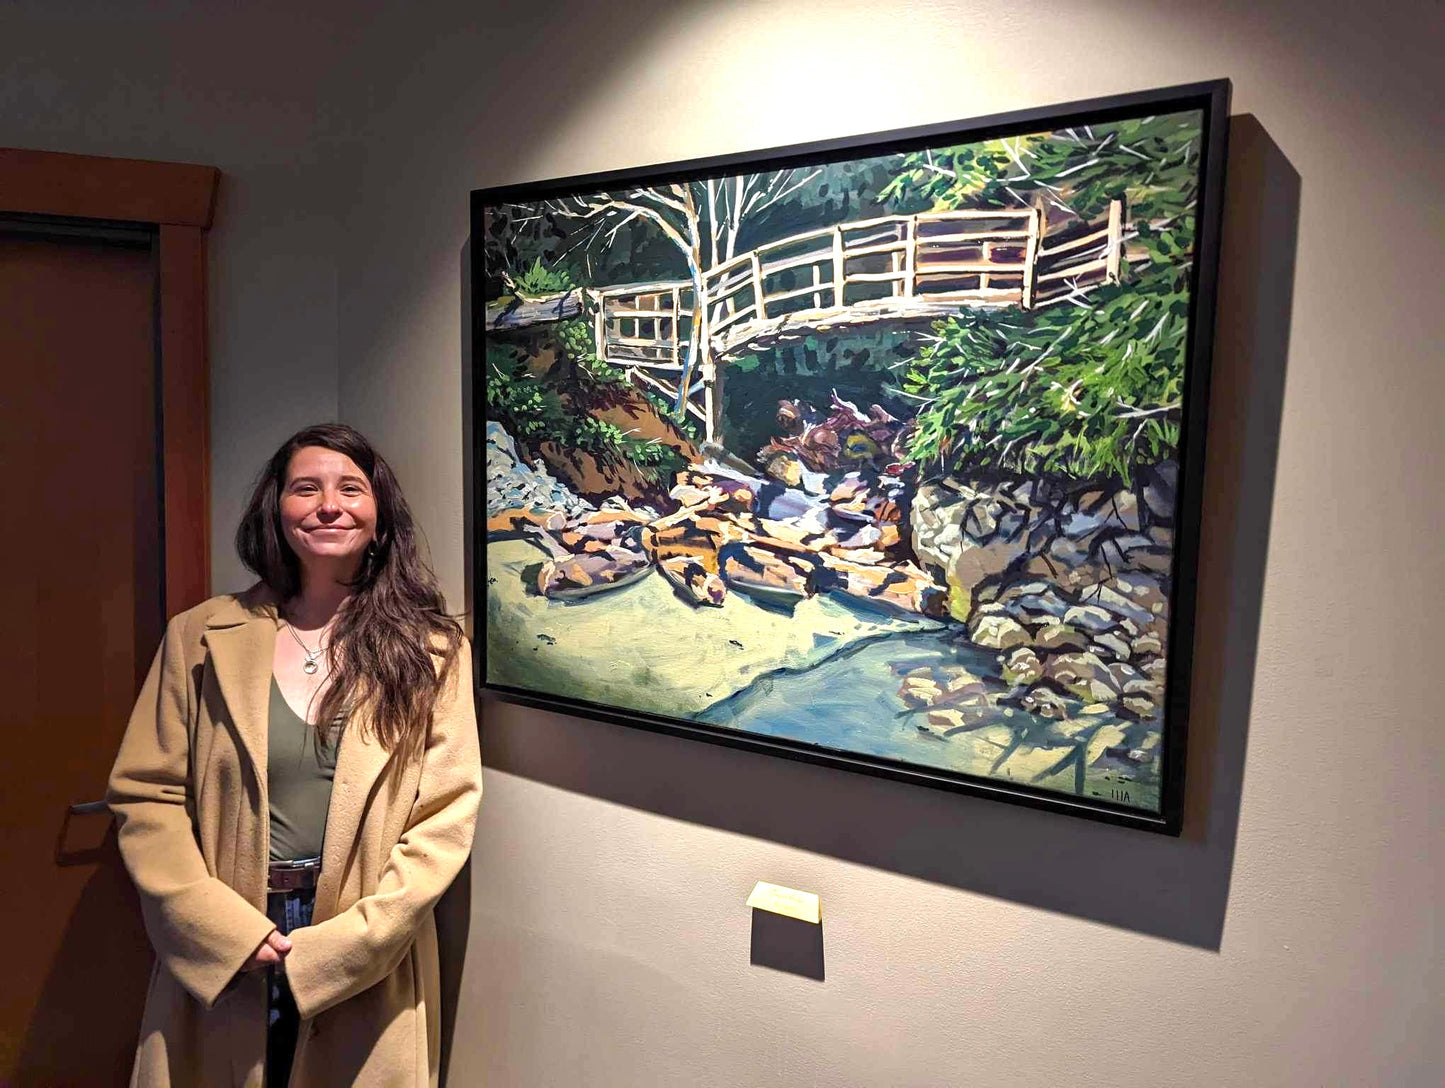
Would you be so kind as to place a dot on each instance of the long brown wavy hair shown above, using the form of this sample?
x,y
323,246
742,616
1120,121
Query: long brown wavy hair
x,y
394,644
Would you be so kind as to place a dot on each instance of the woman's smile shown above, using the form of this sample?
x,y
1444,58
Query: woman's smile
x,y
328,511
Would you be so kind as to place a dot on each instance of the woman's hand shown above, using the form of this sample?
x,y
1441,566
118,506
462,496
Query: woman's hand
x,y
271,952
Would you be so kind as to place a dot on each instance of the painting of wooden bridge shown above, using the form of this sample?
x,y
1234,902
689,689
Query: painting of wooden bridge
x,y
869,453
897,269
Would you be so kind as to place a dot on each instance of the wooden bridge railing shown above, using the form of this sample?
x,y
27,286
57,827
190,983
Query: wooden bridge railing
x,y
645,329
900,266
979,256
1079,262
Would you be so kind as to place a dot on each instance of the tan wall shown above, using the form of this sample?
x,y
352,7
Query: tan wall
x,y
248,91
1288,938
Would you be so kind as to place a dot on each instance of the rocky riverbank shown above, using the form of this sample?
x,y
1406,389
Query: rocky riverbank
x,y
1069,588
621,606
513,484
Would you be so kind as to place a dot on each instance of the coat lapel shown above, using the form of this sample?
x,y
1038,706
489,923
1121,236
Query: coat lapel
x,y
241,639
359,763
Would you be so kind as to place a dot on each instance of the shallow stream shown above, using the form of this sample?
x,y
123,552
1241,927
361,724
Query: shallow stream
x,y
851,702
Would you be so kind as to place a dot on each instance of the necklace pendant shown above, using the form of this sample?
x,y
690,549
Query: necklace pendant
x,y
310,667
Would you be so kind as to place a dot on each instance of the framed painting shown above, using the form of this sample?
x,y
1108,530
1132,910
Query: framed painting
x,y
883,452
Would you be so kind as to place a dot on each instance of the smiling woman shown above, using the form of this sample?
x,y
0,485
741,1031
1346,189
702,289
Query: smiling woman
x,y
297,787
328,516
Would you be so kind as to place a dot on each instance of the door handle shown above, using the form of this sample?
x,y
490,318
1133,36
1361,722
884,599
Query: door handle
x,y
65,854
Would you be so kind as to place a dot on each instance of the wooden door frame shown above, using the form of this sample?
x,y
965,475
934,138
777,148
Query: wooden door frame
x,y
178,200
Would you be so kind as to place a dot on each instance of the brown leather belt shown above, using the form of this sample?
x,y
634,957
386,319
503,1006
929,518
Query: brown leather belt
x,y
289,876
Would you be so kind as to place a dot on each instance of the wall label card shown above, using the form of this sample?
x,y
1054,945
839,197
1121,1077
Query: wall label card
x,y
803,906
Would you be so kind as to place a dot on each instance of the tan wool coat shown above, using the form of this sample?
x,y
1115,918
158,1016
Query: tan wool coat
x,y
189,795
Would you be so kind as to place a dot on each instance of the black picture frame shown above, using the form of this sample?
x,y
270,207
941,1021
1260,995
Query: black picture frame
x,y
1212,98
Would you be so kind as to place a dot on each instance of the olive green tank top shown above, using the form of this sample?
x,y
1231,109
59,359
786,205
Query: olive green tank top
x,y
299,771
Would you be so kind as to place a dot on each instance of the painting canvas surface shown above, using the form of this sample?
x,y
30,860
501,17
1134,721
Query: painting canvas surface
x,y
876,456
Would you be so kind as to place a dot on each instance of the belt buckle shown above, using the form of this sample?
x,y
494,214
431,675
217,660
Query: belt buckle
x,y
290,876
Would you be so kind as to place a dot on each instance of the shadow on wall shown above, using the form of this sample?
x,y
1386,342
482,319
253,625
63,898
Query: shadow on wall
x,y
1174,889
787,944
454,909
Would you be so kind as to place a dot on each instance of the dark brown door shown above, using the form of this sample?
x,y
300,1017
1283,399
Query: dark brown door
x,y
83,577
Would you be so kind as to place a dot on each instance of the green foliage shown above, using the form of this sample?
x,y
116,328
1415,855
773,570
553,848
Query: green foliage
x,y
593,435
609,443
533,410
1084,390
530,409
687,425
1083,401
574,339
1151,162
540,280
574,342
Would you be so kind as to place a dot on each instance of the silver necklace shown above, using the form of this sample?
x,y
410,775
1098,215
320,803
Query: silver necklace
x,y
311,666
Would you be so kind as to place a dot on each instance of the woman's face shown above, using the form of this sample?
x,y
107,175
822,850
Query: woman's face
x,y
328,512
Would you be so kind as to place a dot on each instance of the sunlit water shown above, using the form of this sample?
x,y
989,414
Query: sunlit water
x,y
851,703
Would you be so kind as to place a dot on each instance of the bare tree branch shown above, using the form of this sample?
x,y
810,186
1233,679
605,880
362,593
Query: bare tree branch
x,y
612,234
712,222
1144,413
770,201
666,202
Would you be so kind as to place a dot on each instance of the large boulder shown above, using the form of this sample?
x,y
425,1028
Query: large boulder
x,y
967,535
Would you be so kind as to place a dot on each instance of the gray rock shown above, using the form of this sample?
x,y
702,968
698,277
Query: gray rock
x,y
1156,557
1078,525
1084,675
1160,488
1060,636
511,483
1114,645
1124,510
1145,686
1038,605
1045,702
977,534
1144,589
1121,673
1106,597
949,522
1147,643
1068,552
1022,666
1138,704
1091,618
996,632
980,523
1029,589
